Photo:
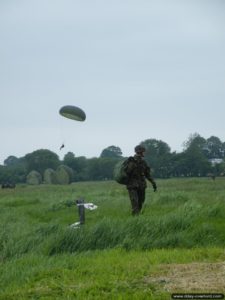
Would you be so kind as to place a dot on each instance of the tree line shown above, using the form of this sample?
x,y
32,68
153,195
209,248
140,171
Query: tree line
x,y
200,157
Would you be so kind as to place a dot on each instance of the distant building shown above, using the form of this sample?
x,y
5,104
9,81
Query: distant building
x,y
215,161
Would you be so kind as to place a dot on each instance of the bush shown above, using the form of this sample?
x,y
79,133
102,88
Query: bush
x,y
50,176
64,174
34,178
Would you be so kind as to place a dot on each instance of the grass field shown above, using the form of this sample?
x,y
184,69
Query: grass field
x,y
175,245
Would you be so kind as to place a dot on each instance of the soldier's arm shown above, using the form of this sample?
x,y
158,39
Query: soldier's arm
x,y
149,177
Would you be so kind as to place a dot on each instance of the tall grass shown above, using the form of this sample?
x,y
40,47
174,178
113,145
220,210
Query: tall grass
x,y
109,257
36,219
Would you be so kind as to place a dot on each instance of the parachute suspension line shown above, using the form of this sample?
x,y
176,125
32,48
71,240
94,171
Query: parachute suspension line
x,y
62,134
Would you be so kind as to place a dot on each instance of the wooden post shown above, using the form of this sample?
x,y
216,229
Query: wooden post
x,y
81,210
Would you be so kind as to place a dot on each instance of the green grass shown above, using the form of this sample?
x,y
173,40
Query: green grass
x,y
107,274
110,256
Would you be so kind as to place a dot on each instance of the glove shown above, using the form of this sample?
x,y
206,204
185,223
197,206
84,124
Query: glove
x,y
154,187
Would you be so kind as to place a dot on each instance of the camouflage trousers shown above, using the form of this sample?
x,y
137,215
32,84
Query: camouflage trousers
x,y
137,198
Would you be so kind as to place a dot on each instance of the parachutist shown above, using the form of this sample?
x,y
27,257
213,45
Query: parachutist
x,y
62,147
137,172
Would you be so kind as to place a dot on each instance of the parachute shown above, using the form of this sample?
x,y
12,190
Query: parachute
x,y
72,112
119,172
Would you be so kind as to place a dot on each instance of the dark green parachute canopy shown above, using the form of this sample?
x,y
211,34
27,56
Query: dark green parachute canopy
x,y
72,112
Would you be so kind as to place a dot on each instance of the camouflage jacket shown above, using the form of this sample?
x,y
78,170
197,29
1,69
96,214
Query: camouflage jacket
x,y
138,171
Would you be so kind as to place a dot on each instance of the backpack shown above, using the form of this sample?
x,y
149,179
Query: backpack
x,y
119,173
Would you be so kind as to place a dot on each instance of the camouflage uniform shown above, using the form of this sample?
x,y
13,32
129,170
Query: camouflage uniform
x,y
138,170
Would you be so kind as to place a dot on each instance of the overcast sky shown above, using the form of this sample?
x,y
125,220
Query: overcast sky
x,y
140,69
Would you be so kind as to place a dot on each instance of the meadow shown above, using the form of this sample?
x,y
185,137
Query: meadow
x,y
175,245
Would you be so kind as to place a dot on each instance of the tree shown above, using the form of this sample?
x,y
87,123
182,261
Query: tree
x,y
158,156
195,160
77,164
223,149
11,161
42,159
50,176
214,148
64,174
195,140
69,158
101,168
14,170
111,151
178,162
34,178
219,169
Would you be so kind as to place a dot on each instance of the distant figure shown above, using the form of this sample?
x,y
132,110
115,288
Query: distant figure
x,y
213,177
138,171
62,147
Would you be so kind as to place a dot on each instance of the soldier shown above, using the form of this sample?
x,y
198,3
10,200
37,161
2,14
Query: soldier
x,y
137,171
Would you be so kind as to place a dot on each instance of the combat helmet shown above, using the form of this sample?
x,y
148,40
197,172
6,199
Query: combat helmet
x,y
139,149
